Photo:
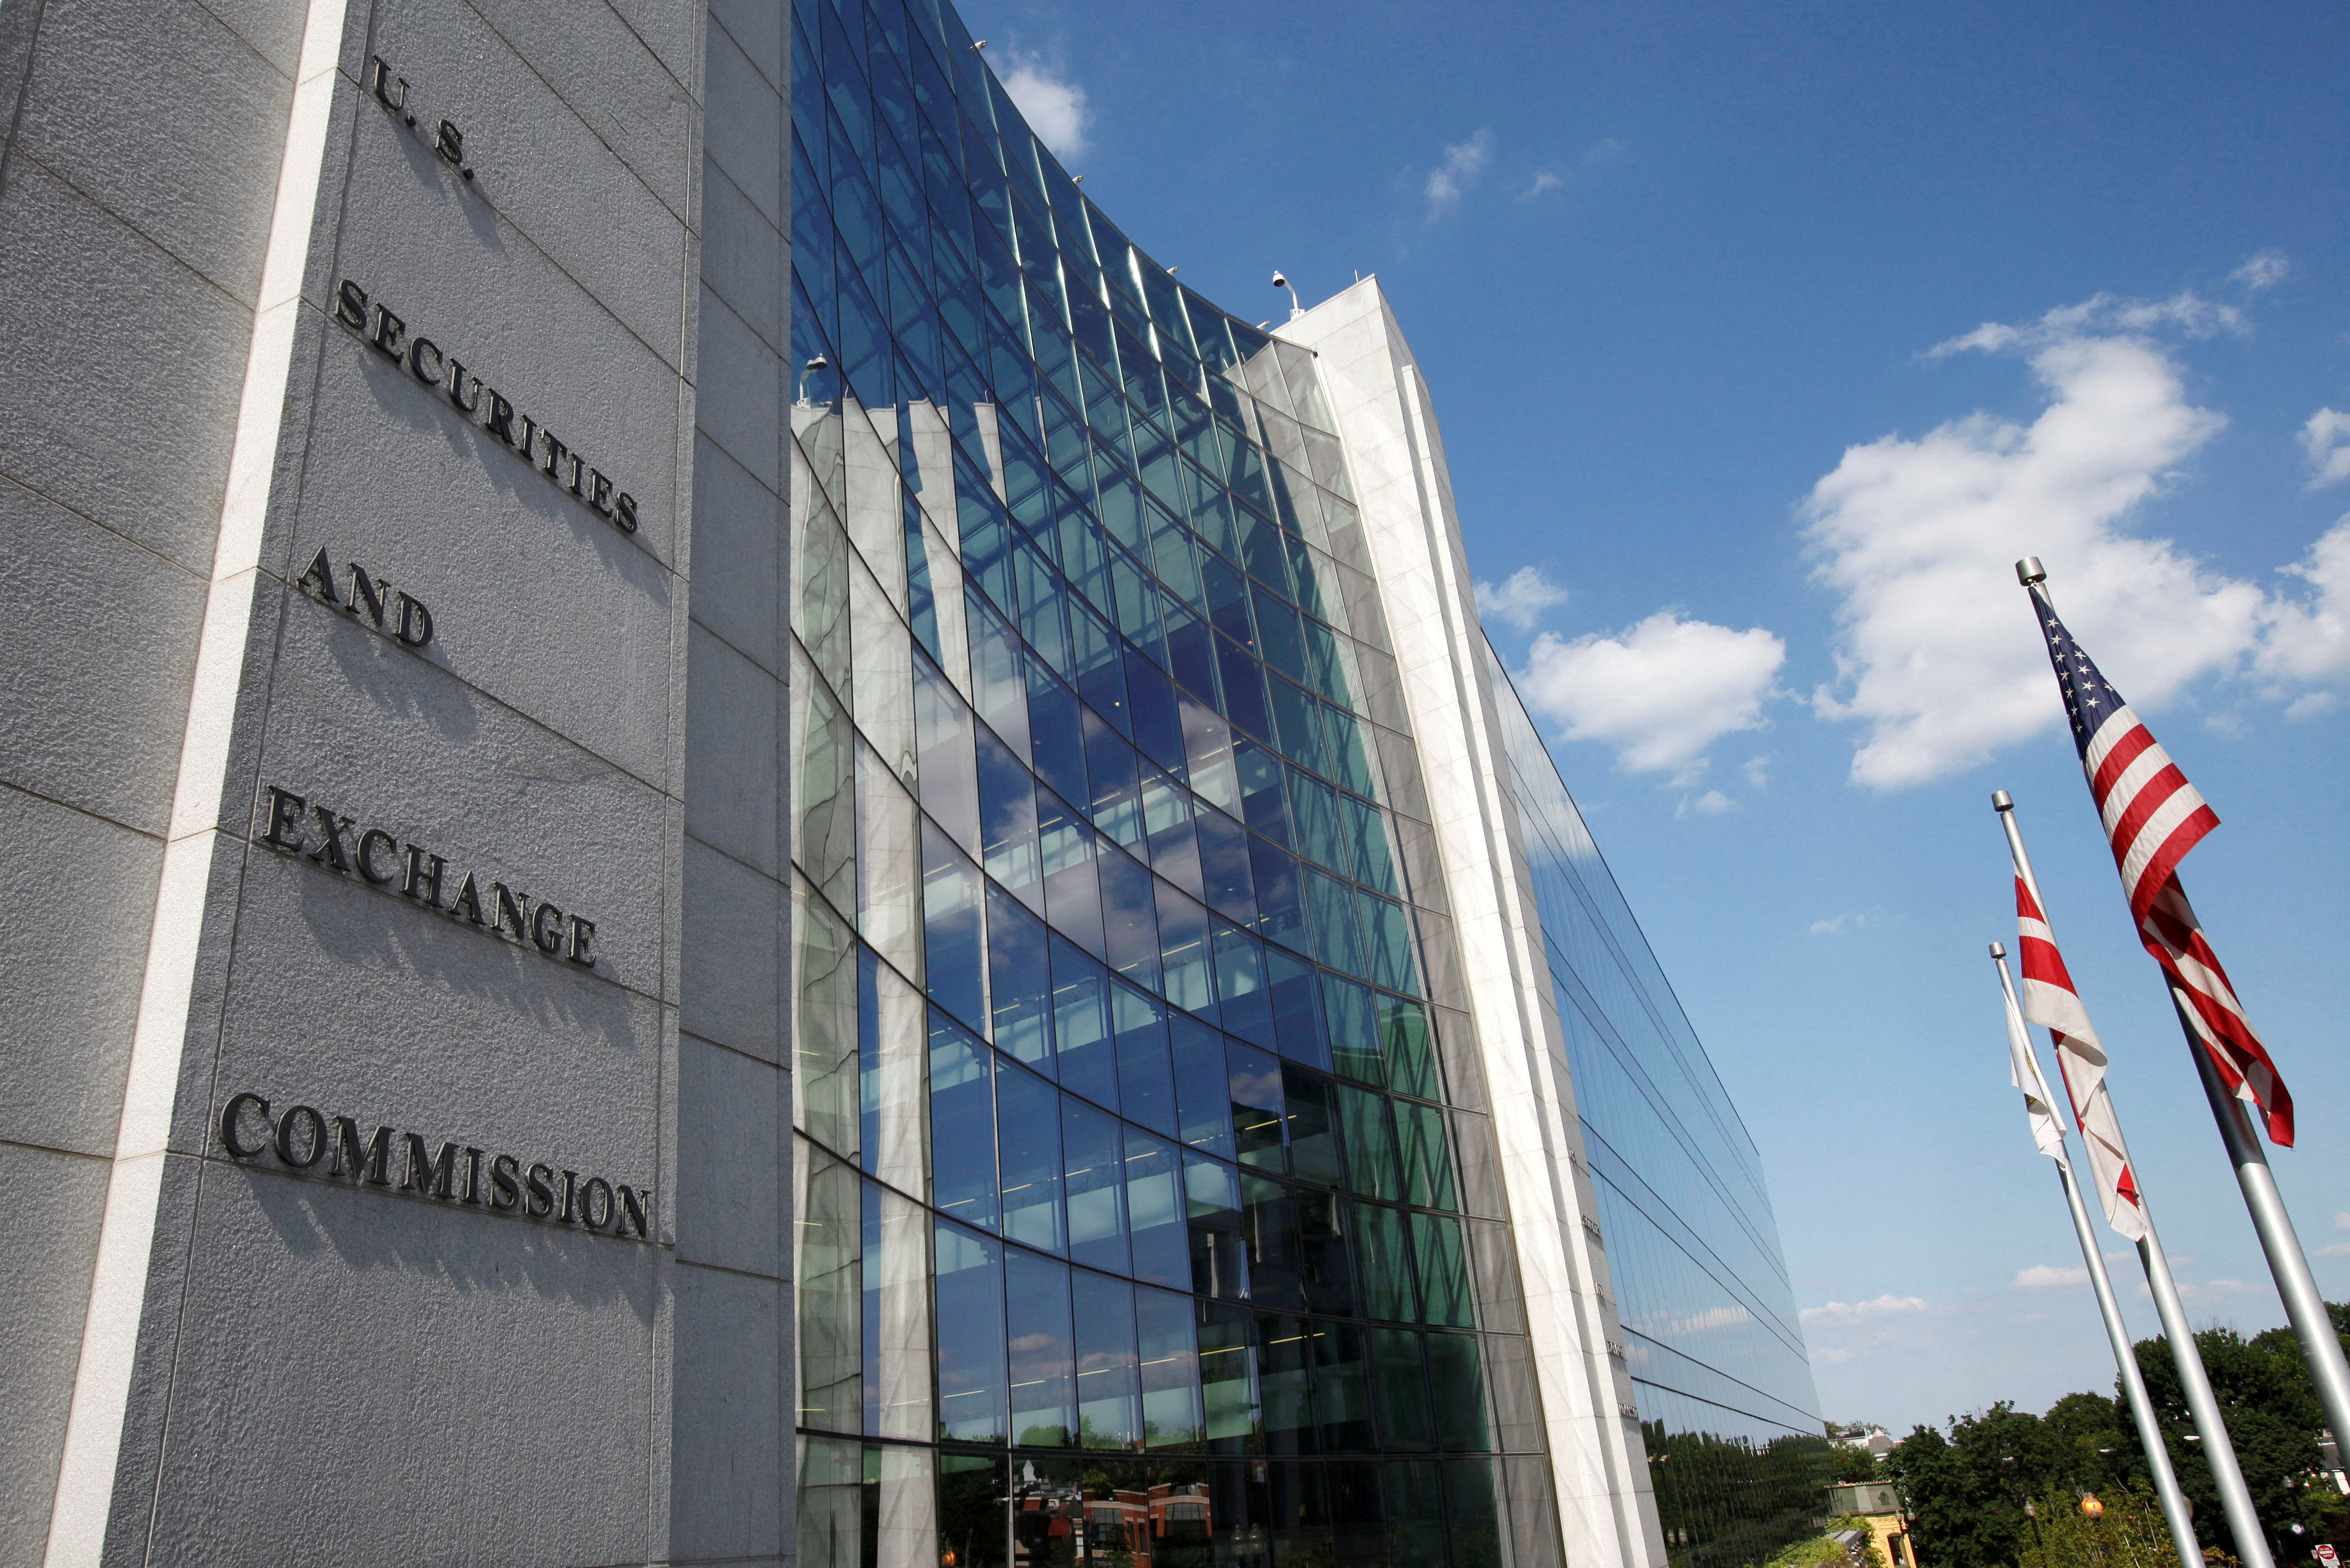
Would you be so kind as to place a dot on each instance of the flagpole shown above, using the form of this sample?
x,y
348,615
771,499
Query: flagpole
x,y
2305,1307
2320,1346
2202,1404
2133,1380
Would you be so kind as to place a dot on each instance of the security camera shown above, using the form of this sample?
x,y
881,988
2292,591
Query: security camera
x,y
1279,281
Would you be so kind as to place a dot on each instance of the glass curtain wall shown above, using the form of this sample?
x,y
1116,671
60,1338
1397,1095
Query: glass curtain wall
x,y
1148,1203
1736,1447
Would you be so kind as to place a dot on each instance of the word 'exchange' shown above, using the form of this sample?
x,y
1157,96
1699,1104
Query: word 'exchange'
x,y
301,1137
389,335
318,833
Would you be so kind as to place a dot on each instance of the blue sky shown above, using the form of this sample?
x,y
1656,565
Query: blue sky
x,y
1765,337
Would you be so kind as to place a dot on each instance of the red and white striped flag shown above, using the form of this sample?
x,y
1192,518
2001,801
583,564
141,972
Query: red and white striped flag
x,y
2153,818
2050,999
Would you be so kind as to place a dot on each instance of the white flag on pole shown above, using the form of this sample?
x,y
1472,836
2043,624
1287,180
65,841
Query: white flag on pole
x,y
2023,1071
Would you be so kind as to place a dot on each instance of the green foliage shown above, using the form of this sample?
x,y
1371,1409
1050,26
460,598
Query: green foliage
x,y
1728,1503
2129,1533
1966,1491
1966,1488
2272,1418
1854,1464
1824,1551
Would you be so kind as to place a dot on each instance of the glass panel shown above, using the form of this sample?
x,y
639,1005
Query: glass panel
x,y
1043,1345
1324,1266
1269,1221
824,1036
1416,1515
1427,1163
1110,1381
1146,1074
1473,1511
1228,1383
1019,982
952,953
1371,1166
1284,1374
970,1318
1357,1514
1170,1369
1028,1117
1219,1248
1202,1090
1403,1043
972,1490
1081,1024
1402,1391
963,1124
1095,1167
831,1246
1454,1372
1384,1267
1313,1129
1257,1109
1157,1214
896,1316
1443,1271
942,732
1007,811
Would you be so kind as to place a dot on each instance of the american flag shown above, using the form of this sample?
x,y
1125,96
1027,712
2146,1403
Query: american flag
x,y
2153,818
2050,998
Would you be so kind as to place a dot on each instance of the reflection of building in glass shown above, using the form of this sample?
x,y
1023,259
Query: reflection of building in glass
x,y
1190,1169
1734,1439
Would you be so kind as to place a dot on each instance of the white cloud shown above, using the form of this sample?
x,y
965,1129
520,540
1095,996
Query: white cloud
x,y
1521,598
2265,270
2327,440
1465,163
1544,181
1888,1305
1054,106
1837,925
1659,694
2042,1276
2100,314
2342,1220
1712,803
2336,1250
1757,772
1938,658
2308,640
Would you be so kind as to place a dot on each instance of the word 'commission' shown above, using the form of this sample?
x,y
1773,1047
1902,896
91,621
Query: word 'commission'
x,y
301,1138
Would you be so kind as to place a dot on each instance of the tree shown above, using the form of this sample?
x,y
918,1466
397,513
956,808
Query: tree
x,y
1966,1493
2127,1532
1854,1463
2272,1418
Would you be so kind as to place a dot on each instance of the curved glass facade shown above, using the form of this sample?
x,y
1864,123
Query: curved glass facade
x,y
1148,1209
1735,1445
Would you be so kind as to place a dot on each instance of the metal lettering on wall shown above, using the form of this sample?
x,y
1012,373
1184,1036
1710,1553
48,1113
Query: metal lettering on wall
x,y
447,140
381,859
386,333
399,615
300,1138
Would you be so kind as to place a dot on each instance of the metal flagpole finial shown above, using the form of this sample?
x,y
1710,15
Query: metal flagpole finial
x,y
2029,571
2001,801
1998,950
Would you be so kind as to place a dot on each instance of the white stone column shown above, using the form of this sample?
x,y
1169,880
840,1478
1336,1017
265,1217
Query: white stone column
x,y
1397,458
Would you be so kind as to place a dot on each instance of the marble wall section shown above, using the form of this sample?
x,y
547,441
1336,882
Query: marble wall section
x,y
219,1359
